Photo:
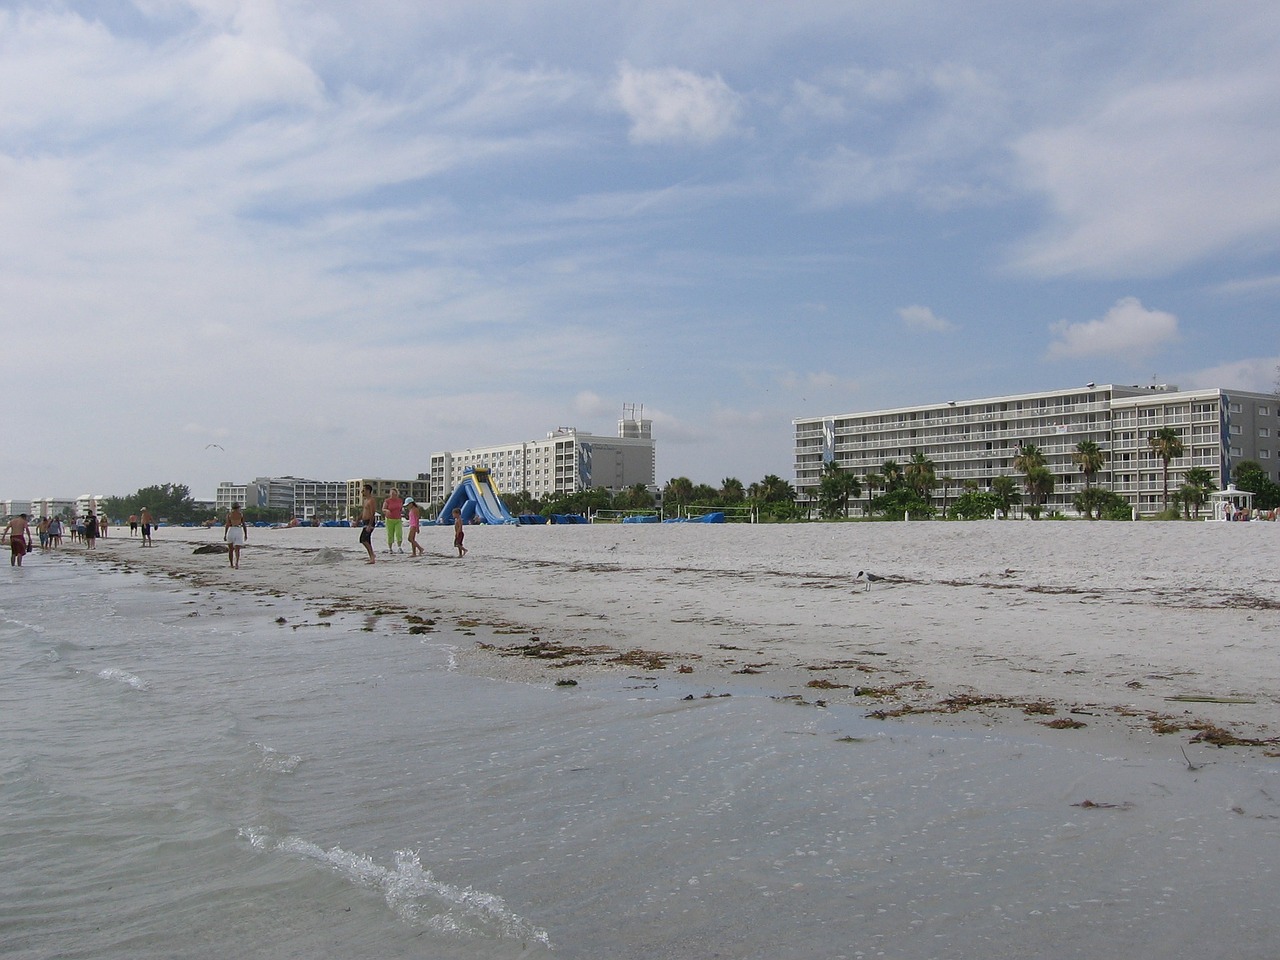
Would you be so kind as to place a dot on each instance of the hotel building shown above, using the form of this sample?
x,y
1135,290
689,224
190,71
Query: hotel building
x,y
564,463
977,440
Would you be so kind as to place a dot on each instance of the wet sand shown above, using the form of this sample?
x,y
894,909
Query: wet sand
x,y
1164,634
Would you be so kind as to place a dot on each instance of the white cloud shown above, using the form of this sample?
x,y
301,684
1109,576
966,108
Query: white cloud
x,y
1250,286
1159,177
1254,374
676,106
922,318
1127,328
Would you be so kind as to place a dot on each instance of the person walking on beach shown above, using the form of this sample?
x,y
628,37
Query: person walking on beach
x,y
103,524
55,532
90,530
368,519
146,527
393,516
415,524
42,528
19,533
458,532
133,524
235,531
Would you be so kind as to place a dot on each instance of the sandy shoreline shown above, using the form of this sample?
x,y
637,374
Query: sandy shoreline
x,y
1164,631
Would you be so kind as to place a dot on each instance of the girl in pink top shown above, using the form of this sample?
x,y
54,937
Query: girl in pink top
x,y
415,521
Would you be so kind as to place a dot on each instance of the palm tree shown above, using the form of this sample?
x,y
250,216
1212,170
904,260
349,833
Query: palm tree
x,y
635,497
946,482
1167,445
1200,483
773,489
891,470
836,488
871,483
1006,493
678,491
920,475
731,491
1040,483
1090,458
1029,457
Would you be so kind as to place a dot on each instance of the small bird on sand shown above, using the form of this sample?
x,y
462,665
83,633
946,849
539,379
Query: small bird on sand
x,y
868,577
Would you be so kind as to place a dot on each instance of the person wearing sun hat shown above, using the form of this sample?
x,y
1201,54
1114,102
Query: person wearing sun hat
x,y
415,521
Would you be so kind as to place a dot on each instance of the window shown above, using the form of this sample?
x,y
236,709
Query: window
x,y
1264,454
1264,411
1264,431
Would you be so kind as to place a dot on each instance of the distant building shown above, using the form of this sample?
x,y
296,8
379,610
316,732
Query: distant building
x,y
295,496
51,507
566,461
418,489
977,440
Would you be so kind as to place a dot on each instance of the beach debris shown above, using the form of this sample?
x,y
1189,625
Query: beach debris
x,y
566,683
1194,698
327,555
1221,737
1091,805
822,683
211,548
1190,765
1064,723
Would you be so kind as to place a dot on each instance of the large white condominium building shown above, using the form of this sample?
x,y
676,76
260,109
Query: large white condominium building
x,y
977,440
565,462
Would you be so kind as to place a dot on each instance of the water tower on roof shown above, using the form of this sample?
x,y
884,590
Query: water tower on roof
x,y
633,425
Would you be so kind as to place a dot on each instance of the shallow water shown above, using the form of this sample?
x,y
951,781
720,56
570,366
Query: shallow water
x,y
183,776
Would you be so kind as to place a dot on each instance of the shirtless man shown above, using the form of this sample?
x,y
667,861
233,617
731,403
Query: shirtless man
x,y
146,527
18,532
368,518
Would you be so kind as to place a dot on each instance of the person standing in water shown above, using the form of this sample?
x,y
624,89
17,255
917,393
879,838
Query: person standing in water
x,y
368,520
235,532
19,533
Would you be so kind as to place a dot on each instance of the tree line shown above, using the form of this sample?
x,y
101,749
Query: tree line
x,y
896,491
901,490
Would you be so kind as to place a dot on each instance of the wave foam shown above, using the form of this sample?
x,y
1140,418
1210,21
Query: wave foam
x,y
413,893
123,676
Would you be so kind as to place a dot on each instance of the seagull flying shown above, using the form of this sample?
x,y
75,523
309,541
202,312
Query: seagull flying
x,y
218,445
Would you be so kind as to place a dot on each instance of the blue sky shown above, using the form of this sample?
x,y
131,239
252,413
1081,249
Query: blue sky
x,y
332,238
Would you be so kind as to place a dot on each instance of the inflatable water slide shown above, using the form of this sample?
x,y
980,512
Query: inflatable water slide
x,y
475,496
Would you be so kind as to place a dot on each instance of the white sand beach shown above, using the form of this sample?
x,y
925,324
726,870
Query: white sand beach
x,y
1160,632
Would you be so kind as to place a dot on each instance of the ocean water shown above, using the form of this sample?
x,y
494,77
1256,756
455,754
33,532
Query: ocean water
x,y
187,773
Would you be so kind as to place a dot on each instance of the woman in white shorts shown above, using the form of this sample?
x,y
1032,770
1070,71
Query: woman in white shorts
x,y
235,532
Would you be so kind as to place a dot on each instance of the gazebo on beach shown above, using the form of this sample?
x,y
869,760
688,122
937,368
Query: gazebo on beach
x,y
1227,503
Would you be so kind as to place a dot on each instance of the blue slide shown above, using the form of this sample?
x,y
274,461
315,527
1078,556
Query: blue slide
x,y
476,496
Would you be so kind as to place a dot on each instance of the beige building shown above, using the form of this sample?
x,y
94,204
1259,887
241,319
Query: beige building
x,y
566,461
977,440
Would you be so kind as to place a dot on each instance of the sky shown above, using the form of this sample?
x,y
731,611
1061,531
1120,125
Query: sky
x,y
244,238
